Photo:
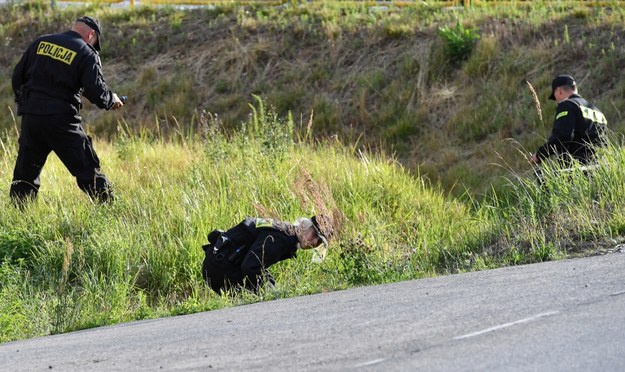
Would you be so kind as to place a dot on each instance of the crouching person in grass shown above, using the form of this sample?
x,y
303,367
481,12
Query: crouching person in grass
x,y
239,257
579,129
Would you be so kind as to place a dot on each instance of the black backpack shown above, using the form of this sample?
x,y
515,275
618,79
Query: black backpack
x,y
221,247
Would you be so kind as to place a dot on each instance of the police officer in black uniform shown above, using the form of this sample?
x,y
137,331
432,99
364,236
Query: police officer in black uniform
x,y
240,257
48,82
579,127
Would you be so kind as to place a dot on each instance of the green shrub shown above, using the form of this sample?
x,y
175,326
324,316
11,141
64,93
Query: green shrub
x,y
459,41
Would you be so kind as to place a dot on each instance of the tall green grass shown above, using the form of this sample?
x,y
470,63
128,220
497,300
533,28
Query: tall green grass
x,y
573,211
67,264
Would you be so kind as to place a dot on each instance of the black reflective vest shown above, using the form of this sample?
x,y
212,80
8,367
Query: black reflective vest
x,y
578,127
54,72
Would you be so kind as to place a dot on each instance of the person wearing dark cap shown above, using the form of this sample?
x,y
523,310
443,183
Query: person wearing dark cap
x,y
579,126
239,257
49,81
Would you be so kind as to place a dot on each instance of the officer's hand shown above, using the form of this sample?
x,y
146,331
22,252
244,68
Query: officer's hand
x,y
535,160
118,102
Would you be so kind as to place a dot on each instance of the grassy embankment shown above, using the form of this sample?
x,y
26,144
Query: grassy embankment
x,y
384,79
67,264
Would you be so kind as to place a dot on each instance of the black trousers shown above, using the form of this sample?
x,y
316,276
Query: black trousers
x,y
64,135
220,274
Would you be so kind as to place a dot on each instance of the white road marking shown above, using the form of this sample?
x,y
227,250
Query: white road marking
x,y
369,363
618,293
495,328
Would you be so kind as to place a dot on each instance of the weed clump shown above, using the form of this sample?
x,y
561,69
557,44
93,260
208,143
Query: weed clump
x,y
459,41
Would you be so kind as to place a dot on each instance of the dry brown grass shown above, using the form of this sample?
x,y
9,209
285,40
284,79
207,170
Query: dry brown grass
x,y
324,66
318,197
536,100
266,212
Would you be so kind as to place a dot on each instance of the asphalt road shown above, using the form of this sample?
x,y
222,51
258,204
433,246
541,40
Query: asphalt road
x,y
556,316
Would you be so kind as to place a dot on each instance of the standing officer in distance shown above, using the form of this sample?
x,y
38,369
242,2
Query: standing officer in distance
x,y
48,82
579,126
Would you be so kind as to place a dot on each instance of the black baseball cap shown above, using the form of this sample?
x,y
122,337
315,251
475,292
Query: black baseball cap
x,y
95,26
559,81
